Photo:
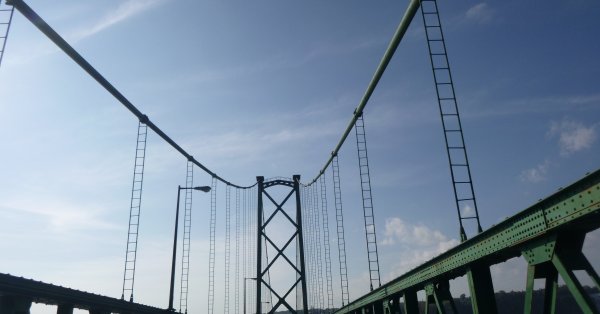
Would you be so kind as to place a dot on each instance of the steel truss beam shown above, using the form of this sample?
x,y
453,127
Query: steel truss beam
x,y
548,234
262,237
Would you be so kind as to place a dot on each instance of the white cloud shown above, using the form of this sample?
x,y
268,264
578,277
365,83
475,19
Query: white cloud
x,y
479,13
397,231
572,136
420,243
124,11
467,211
535,174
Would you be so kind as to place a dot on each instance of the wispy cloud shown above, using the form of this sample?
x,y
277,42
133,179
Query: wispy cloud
x,y
535,174
42,48
572,136
124,11
63,217
480,13
535,105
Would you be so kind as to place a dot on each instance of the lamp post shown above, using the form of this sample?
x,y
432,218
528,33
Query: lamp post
x,y
245,292
179,188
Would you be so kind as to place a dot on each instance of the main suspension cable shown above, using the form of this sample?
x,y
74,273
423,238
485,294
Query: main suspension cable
x,y
411,10
34,18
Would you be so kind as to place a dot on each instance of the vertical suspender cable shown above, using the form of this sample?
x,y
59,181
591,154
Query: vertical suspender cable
x,y
4,11
244,244
367,202
237,250
187,228
317,220
326,237
227,245
134,212
311,255
341,239
211,256
460,171
252,236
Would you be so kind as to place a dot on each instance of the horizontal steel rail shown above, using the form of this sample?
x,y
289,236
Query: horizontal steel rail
x,y
575,208
40,292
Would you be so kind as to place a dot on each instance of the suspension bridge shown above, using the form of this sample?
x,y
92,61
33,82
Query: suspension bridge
x,y
311,250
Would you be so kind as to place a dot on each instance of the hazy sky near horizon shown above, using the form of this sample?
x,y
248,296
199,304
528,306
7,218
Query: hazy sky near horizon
x,y
266,88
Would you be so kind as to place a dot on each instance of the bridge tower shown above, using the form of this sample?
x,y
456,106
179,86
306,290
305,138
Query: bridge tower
x,y
280,296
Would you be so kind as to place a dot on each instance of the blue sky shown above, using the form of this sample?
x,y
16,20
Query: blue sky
x,y
266,88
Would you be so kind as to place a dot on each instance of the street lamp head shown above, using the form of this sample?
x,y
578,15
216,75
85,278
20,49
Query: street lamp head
x,y
202,188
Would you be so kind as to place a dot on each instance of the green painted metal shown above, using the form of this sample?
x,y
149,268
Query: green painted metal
x,y
437,294
566,273
539,256
433,299
557,254
551,289
411,304
529,289
575,208
481,287
540,251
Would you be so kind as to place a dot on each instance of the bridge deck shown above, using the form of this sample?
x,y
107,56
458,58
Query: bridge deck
x,y
574,209
40,292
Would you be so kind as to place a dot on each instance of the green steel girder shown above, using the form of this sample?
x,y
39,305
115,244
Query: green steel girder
x,y
437,294
481,288
558,254
575,209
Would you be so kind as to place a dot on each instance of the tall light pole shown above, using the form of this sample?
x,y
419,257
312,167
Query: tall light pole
x,y
245,292
179,188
